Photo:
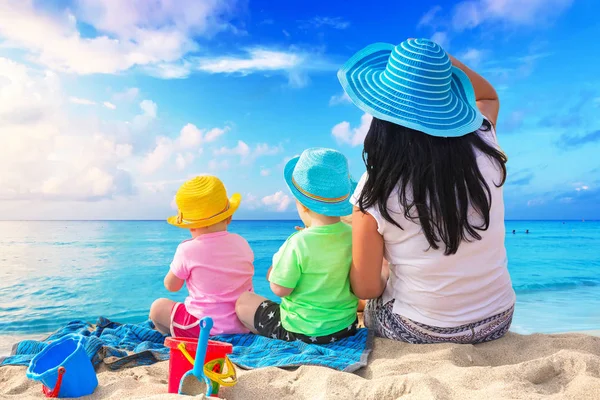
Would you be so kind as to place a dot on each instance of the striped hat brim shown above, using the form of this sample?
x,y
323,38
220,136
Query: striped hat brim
x,y
455,115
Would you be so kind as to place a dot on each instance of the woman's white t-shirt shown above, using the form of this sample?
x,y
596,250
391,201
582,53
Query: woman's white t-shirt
x,y
447,291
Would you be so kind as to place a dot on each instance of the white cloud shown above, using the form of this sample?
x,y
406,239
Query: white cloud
x,y
183,16
265,171
278,201
47,154
215,165
341,98
161,186
263,149
84,102
170,70
127,96
471,57
148,115
189,136
294,63
189,140
514,67
429,18
242,150
131,33
343,133
149,108
467,15
215,133
183,160
109,105
472,13
257,60
158,37
246,154
26,96
536,202
442,39
318,22
298,79
157,157
250,202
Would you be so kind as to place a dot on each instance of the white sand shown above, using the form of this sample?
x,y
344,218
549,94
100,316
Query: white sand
x,y
516,367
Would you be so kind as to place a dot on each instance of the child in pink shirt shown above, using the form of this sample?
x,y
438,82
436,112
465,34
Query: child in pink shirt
x,y
217,266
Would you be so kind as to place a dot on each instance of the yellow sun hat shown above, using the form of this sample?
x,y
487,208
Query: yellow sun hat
x,y
202,201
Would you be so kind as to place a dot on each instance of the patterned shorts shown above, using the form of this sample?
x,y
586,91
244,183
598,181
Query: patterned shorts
x,y
267,322
385,323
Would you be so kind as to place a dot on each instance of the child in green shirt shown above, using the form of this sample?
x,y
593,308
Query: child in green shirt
x,y
310,271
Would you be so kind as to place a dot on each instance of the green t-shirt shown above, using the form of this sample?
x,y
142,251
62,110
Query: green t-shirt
x,y
315,262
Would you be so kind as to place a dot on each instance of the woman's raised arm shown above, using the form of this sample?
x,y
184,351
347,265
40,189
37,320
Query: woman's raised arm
x,y
485,94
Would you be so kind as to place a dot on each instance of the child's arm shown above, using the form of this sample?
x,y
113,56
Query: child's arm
x,y
285,271
178,271
277,289
280,290
173,283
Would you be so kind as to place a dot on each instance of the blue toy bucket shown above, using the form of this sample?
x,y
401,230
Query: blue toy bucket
x,y
64,368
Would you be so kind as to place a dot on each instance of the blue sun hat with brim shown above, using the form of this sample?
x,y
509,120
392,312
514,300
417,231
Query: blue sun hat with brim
x,y
319,180
413,84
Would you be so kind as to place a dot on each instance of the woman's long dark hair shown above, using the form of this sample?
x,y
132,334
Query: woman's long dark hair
x,y
437,177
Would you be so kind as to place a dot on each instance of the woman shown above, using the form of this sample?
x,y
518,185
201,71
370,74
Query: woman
x,y
431,200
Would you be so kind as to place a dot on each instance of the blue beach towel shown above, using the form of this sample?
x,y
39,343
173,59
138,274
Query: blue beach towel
x,y
253,351
130,345
116,345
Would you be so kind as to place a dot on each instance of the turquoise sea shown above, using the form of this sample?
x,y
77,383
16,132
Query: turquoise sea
x,y
53,272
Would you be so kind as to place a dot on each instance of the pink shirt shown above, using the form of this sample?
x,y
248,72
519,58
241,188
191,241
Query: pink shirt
x,y
217,269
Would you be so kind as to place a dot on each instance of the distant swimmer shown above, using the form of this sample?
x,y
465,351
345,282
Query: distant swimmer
x,y
514,231
527,231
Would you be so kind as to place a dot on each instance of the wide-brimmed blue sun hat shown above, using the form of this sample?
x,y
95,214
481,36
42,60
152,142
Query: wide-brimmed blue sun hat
x,y
320,180
413,84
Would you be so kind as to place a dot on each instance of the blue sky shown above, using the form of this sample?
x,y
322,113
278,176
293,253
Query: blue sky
x,y
107,106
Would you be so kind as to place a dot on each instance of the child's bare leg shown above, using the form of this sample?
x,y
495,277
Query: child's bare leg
x,y
361,305
160,314
246,307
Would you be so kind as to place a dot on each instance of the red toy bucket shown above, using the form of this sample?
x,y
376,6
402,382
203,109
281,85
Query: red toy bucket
x,y
178,363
